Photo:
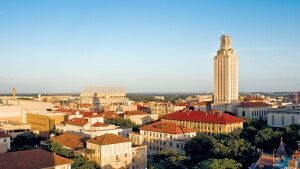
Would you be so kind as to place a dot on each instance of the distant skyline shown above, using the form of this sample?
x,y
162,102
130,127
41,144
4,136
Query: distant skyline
x,y
146,46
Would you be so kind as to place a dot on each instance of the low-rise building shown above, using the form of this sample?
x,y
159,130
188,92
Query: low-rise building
x,y
36,158
255,110
283,117
4,142
71,142
163,135
138,117
113,151
206,122
165,108
14,128
92,126
42,124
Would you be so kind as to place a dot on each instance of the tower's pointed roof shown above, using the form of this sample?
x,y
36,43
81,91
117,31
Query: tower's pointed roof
x,y
281,150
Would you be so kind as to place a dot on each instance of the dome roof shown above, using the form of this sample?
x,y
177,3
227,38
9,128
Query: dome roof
x,y
119,109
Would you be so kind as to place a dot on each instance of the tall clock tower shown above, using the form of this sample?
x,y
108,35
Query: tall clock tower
x,y
225,73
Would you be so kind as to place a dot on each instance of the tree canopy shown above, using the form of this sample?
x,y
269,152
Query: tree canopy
x,y
26,141
225,163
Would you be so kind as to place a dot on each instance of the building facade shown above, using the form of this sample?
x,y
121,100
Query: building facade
x,y
104,96
254,110
225,73
13,128
283,117
112,151
4,142
43,124
163,135
206,122
92,126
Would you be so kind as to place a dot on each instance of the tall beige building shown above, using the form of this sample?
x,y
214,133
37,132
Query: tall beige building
x,y
225,73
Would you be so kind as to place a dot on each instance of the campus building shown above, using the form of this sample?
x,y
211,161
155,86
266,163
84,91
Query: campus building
x,y
113,151
163,135
44,123
104,96
206,122
254,110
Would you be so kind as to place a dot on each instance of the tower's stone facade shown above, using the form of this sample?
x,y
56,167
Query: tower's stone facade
x,y
225,73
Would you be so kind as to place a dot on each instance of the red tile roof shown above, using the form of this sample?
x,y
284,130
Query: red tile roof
x,y
30,159
85,105
77,121
253,99
140,107
167,127
107,139
3,134
253,104
69,140
138,112
99,124
204,117
110,115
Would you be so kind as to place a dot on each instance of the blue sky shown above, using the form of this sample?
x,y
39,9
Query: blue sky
x,y
146,46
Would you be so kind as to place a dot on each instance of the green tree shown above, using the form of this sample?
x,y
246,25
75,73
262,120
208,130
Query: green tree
x,y
200,148
249,133
225,163
83,163
169,159
291,134
58,149
268,139
126,123
26,141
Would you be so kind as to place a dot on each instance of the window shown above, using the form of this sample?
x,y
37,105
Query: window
x,y
243,113
282,120
272,119
125,154
293,119
117,157
170,136
4,140
171,144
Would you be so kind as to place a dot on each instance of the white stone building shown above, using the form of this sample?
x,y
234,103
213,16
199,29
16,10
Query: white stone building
x,y
254,110
283,117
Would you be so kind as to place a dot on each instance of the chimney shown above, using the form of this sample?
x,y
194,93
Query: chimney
x,y
292,163
14,93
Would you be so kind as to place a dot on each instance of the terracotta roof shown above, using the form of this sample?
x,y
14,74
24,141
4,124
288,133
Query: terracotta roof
x,y
3,134
69,140
140,107
110,115
204,117
253,99
85,105
181,104
107,139
99,124
138,112
77,121
167,127
253,104
29,159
